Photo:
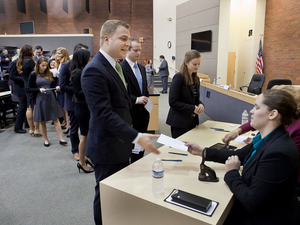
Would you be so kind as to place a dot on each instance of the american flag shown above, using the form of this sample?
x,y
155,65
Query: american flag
x,y
259,60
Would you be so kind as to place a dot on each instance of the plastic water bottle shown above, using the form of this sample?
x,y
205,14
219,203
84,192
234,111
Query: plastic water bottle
x,y
158,176
214,82
245,117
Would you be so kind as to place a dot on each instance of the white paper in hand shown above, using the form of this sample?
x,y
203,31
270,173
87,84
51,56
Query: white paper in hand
x,y
171,142
149,105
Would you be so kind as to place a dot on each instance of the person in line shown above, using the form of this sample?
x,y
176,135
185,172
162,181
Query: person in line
x,y
16,56
80,59
25,66
53,54
111,136
293,128
66,86
163,73
19,90
41,83
62,56
150,74
184,99
38,52
5,58
265,192
136,77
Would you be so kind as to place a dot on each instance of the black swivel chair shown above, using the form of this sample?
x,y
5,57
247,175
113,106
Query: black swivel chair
x,y
256,84
278,81
7,106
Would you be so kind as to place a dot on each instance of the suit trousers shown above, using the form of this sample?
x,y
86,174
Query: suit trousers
x,y
73,132
165,83
136,157
103,171
21,113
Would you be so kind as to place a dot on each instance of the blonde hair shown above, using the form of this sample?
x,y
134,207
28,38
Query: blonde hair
x,y
65,55
109,28
295,92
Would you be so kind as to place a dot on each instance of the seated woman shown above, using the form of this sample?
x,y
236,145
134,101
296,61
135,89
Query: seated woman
x,y
265,192
41,83
293,128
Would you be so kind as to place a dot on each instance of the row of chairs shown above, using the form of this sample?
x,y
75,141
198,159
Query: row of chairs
x,y
258,80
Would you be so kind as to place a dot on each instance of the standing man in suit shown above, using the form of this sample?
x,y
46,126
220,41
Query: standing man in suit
x,y
65,86
111,136
163,73
150,73
136,77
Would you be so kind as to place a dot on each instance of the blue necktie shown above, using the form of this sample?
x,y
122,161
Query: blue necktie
x,y
138,77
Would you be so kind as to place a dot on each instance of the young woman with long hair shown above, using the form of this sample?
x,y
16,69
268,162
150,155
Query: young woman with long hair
x,y
25,65
42,85
184,101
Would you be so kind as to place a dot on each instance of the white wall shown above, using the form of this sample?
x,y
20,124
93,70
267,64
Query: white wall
x,y
164,31
244,16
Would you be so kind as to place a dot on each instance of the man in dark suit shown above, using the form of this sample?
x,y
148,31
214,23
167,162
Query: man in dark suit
x,y
18,89
136,77
111,136
65,86
38,52
163,73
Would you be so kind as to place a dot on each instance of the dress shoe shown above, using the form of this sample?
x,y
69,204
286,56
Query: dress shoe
x,y
81,168
31,133
88,161
37,134
46,145
63,126
68,136
76,156
63,142
20,131
67,131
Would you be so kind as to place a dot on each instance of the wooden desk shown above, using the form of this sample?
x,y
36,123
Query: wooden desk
x,y
154,116
225,105
127,197
5,94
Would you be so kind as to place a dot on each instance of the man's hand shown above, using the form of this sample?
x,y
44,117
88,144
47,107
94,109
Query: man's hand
x,y
146,143
194,148
142,100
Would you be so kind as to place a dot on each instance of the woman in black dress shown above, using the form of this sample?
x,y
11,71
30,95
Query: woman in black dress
x,y
42,85
25,65
80,59
184,101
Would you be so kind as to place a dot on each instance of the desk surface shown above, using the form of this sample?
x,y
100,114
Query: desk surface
x,y
233,93
4,94
135,181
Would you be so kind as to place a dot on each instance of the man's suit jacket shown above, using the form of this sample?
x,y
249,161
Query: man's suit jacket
x,y
18,82
163,69
140,116
64,83
182,103
266,190
110,135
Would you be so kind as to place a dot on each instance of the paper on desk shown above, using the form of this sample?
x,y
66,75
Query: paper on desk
x,y
171,142
209,212
241,139
149,105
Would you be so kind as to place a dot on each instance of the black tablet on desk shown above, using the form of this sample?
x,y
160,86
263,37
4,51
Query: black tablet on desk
x,y
221,145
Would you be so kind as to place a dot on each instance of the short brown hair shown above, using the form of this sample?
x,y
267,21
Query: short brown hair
x,y
283,102
109,28
133,40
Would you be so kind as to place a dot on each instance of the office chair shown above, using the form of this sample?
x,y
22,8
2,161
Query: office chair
x,y
278,81
6,105
255,84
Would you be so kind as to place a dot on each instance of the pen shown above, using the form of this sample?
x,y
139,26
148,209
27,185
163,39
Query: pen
x,y
178,153
173,160
219,129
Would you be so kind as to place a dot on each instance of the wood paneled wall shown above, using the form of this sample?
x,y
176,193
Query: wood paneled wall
x,y
139,14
